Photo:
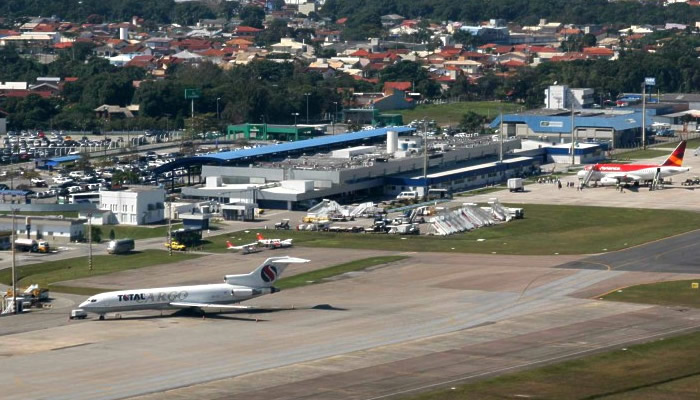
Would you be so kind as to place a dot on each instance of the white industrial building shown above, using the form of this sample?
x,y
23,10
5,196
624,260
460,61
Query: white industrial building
x,y
53,229
559,97
136,205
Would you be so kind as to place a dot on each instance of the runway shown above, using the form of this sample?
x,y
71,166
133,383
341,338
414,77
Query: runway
x,y
679,254
428,320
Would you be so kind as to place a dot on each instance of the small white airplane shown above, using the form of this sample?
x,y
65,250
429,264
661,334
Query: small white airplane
x,y
274,243
217,296
244,248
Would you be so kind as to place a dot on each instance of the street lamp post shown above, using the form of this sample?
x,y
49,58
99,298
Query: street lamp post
x,y
335,115
307,107
218,116
295,119
425,159
14,275
89,241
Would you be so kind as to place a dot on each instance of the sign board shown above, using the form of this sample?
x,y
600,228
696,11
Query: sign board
x,y
650,81
551,124
192,94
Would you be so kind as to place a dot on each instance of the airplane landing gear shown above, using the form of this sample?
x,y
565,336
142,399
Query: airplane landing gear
x,y
102,317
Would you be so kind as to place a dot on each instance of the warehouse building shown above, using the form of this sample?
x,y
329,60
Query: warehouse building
x,y
53,229
617,129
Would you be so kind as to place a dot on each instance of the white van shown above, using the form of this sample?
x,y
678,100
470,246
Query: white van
x,y
407,195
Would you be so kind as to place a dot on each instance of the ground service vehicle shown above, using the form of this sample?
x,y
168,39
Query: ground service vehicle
x,y
121,246
516,185
176,245
407,196
31,245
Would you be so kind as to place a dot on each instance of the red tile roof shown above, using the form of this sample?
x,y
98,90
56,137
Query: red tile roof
x,y
63,45
396,86
247,29
598,51
341,21
360,53
569,57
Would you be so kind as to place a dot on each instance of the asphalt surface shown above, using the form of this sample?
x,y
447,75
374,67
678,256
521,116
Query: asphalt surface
x,y
679,254
427,321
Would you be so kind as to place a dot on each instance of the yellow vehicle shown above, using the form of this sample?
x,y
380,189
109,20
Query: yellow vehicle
x,y
175,245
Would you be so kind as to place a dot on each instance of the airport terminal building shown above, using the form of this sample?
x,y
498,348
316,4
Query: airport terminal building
x,y
379,168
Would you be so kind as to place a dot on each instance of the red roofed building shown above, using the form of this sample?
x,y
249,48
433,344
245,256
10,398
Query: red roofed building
x,y
390,87
145,62
512,64
341,21
598,52
26,93
360,53
243,30
569,57
63,45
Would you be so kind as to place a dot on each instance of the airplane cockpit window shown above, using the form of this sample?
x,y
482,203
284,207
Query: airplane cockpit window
x,y
93,300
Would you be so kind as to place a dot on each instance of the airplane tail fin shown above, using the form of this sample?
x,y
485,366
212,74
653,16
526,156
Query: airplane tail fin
x,y
676,158
228,244
259,236
266,274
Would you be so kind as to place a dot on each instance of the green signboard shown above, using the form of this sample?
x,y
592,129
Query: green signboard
x,y
192,94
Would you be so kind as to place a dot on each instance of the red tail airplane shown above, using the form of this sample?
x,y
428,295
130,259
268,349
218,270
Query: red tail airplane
x,y
615,174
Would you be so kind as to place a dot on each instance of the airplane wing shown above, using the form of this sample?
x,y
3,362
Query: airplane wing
x,y
206,305
625,177
243,246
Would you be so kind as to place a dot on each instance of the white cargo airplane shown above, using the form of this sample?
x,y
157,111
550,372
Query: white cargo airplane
x,y
244,248
273,243
217,296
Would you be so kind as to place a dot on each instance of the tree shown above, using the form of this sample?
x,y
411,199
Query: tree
x,y
472,122
252,16
96,234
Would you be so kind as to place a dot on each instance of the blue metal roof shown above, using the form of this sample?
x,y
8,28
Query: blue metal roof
x,y
13,192
304,144
562,123
300,145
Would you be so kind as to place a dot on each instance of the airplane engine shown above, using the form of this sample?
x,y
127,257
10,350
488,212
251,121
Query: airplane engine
x,y
249,292
608,181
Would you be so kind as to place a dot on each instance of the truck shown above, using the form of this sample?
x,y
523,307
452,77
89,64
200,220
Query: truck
x,y
31,245
121,246
516,185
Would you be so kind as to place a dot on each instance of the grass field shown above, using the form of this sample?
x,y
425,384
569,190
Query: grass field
x,y
451,114
664,369
674,293
641,154
137,232
485,190
320,275
47,273
546,229
65,214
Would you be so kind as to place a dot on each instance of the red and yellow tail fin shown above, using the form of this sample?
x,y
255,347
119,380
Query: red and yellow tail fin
x,y
228,244
259,236
676,158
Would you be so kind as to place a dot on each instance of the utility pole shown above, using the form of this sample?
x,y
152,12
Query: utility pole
x,y
307,107
425,159
573,131
218,116
500,151
89,241
335,115
170,228
14,275
644,115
